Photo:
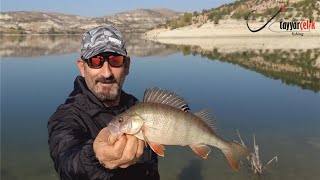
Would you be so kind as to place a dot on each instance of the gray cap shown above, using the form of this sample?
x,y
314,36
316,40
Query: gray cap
x,y
102,39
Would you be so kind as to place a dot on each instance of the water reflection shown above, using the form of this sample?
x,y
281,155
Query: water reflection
x,y
191,171
38,45
285,119
293,67
300,67
44,45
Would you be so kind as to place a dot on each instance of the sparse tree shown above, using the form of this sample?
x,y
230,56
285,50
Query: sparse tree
x,y
195,13
52,31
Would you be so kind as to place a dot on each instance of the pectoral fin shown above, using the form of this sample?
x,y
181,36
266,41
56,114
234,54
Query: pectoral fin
x,y
157,148
201,149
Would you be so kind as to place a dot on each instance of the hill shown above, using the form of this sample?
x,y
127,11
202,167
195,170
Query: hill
x,y
25,22
297,10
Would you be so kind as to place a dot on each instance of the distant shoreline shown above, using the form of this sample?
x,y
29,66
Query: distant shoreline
x,y
225,28
243,43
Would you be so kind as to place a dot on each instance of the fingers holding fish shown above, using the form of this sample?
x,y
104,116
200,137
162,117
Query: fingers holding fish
x,y
115,151
106,136
107,149
140,150
104,140
131,152
123,153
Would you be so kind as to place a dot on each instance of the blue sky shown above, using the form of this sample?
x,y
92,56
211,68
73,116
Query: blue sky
x,y
95,8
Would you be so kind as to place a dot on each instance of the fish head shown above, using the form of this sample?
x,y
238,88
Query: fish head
x,y
125,124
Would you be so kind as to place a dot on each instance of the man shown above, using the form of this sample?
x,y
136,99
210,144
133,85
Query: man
x,y
80,144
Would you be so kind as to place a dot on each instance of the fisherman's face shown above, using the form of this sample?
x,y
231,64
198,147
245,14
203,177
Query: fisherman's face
x,y
106,82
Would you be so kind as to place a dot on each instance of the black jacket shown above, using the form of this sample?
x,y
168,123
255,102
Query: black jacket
x,y
72,130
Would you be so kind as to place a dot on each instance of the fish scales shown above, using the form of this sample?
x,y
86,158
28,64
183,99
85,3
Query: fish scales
x,y
164,118
170,125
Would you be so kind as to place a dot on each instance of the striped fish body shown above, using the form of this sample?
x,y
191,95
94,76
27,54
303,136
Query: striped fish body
x,y
168,125
163,118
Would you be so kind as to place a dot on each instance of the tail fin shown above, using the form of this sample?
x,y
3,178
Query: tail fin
x,y
235,153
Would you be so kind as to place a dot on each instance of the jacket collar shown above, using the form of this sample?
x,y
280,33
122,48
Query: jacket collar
x,y
85,100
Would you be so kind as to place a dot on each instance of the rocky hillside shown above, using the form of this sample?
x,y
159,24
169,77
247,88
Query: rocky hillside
x,y
139,20
296,10
24,22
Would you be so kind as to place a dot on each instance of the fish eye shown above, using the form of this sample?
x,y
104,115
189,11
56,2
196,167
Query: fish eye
x,y
120,119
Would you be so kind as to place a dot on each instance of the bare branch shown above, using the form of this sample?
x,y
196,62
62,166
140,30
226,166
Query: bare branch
x,y
254,159
240,138
274,158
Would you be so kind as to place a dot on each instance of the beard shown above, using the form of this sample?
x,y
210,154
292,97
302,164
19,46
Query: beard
x,y
106,94
105,89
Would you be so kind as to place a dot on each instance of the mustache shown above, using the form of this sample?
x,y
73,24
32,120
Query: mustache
x,y
108,80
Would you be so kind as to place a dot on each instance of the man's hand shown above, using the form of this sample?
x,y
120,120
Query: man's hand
x,y
115,153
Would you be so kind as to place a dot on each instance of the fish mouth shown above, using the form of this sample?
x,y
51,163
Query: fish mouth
x,y
114,130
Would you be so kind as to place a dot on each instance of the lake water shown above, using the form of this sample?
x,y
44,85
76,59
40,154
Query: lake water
x,y
272,94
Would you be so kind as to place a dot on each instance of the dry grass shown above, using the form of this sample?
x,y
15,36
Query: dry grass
x,y
255,164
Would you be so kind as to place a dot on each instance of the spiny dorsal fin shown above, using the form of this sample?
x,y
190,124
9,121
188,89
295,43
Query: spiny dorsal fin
x,y
162,96
205,115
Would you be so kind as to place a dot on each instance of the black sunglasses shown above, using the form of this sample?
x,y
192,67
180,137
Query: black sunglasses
x,y
97,62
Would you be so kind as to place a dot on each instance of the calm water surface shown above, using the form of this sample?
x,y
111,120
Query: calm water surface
x,y
280,107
